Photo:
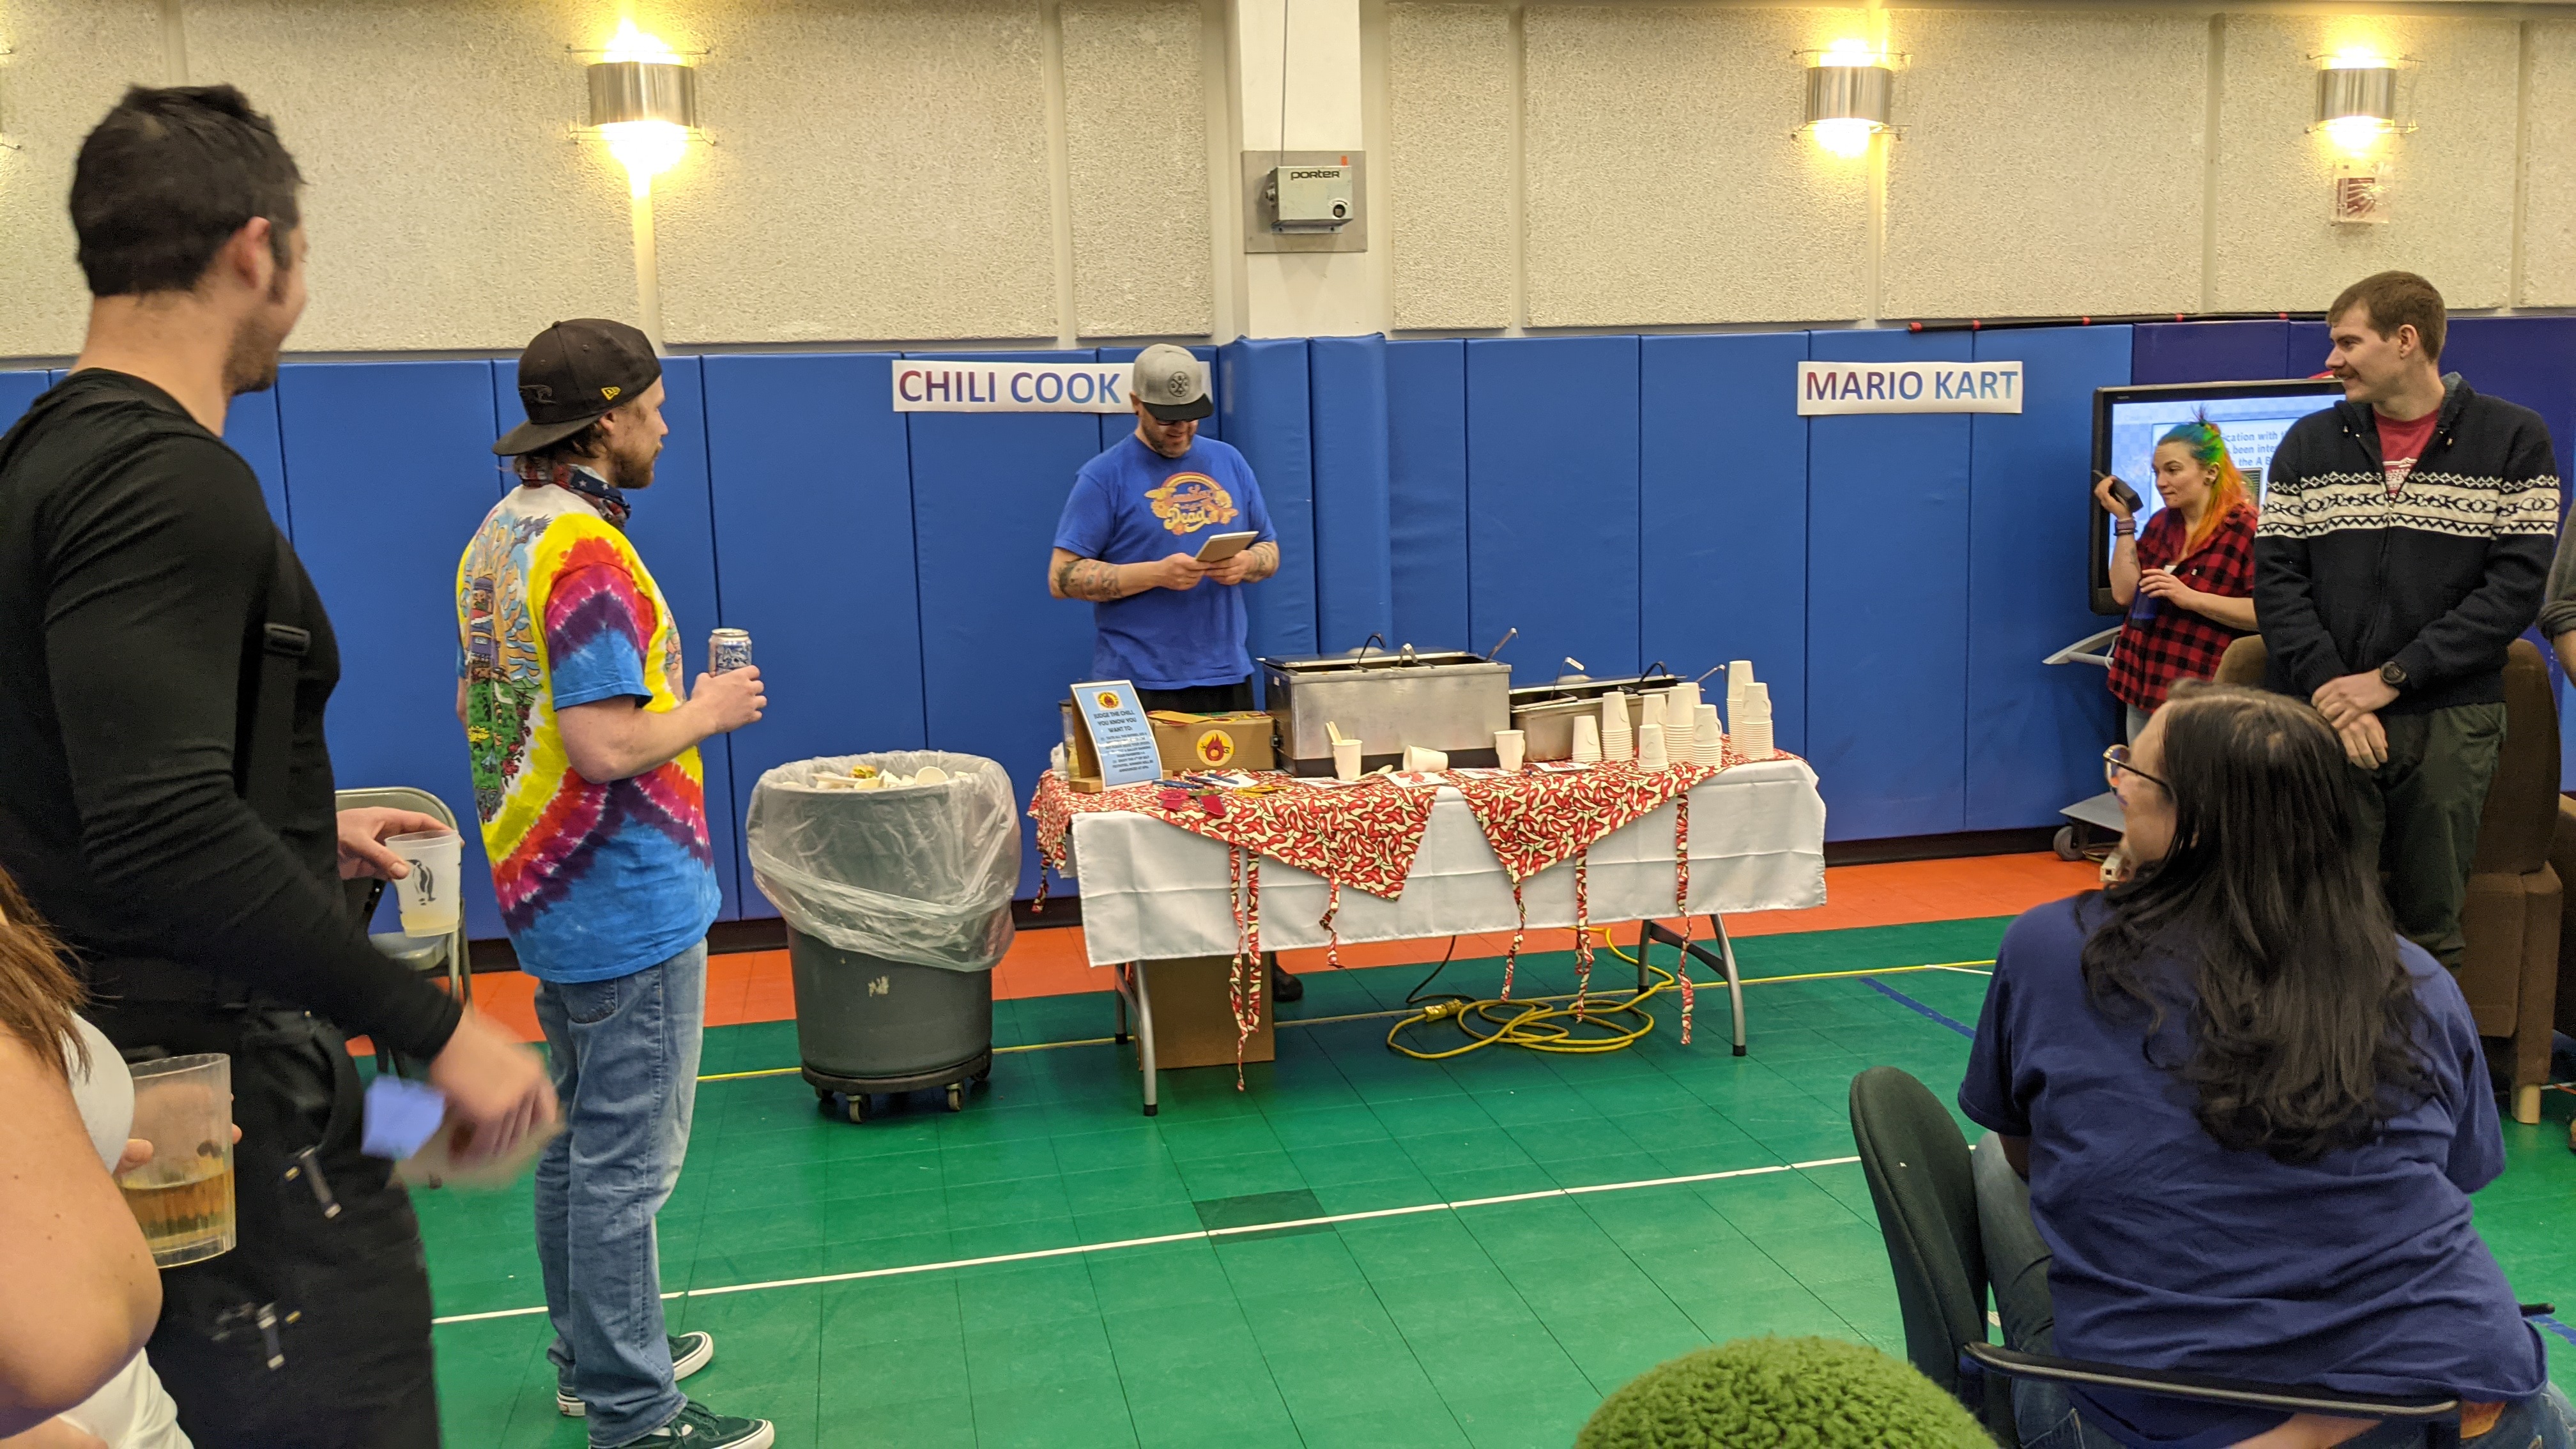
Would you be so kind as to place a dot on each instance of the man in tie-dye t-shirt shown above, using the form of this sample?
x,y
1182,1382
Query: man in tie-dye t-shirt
x,y
585,756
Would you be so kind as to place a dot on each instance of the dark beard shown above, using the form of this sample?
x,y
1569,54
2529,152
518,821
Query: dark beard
x,y
250,365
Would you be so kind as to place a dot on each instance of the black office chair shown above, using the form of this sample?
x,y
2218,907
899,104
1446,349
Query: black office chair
x,y
1917,1166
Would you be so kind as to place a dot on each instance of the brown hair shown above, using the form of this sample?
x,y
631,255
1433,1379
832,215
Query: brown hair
x,y
2397,299
37,991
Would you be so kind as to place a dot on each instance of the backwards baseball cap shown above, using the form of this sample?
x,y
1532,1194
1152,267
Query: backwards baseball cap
x,y
574,373
1171,383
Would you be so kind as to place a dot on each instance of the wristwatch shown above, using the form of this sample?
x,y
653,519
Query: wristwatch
x,y
2392,676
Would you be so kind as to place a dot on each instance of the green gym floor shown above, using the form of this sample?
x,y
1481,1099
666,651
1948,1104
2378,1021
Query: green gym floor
x,y
1556,1259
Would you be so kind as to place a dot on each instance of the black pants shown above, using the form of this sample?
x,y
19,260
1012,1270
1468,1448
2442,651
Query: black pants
x,y
2420,812
1202,699
342,1360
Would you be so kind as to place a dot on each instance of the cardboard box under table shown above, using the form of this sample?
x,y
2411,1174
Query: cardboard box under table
x,y
1157,894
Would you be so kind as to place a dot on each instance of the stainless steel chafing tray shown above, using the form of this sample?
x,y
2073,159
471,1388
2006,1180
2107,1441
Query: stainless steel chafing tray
x,y
1450,701
1544,713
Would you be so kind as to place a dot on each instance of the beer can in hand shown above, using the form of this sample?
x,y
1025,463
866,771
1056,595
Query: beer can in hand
x,y
728,650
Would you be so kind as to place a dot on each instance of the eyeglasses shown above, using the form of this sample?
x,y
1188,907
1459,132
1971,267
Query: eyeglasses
x,y
2116,759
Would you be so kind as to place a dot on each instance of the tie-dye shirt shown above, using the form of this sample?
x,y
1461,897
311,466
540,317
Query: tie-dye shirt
x,y
554,609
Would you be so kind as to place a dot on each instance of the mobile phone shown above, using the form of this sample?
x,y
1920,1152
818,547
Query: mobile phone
x,y
2127,495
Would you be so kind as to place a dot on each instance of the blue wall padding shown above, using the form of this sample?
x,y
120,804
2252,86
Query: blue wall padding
x,y
2162,352
2035,731
17,390
810,473
673,530
1426,452
1887,604
1263,396
997,650
389,471
1722,510
1354,573
1552,500
250,426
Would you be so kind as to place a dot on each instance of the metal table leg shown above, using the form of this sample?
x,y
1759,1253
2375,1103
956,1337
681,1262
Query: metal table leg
x,y
1133,993
1723,960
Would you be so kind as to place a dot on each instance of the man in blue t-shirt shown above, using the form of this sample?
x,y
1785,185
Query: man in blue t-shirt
x,y
1129,543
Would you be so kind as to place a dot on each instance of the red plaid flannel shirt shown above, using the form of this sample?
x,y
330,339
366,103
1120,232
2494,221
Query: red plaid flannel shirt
x,y
2173,643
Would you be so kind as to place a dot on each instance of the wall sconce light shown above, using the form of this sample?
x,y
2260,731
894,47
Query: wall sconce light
x,y
1848,87
2357,101
644,104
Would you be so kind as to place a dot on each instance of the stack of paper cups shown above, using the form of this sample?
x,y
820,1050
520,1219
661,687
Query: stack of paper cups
x,y
1681,707
1738,675
1650,745
1650,711
1618,742
1587,739
1753,723
1708,742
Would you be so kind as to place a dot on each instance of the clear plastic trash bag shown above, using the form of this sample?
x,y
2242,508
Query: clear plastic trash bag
x,y
921,874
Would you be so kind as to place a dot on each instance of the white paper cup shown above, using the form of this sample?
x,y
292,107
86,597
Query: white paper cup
x,y
431,896
1587,739
1508,748
1346,759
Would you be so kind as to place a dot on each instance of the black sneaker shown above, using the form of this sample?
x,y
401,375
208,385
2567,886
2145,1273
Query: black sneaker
x,y
700,1427
690,1352
1284,987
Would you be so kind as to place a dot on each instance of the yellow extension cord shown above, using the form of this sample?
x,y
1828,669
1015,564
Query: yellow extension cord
x,y
1540,1025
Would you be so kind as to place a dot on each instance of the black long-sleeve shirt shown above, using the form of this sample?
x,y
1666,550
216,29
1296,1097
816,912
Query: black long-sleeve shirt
x,y
136,557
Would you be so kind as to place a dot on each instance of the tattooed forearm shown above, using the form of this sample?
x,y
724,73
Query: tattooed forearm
x,y
1087,578
1265,561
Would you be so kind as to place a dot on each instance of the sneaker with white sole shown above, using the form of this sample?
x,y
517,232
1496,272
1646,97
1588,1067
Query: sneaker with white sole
x,y
699,1427
690,1352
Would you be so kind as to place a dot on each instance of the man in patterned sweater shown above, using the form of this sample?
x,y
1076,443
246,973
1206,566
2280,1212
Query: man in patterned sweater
x,y
2405,537
586,774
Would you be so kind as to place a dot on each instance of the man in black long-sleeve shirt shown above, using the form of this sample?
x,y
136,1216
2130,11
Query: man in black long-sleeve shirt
x,y
2404,541
174,818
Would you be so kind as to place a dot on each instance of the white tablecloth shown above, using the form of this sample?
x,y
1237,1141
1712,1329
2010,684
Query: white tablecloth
x,y
1156,892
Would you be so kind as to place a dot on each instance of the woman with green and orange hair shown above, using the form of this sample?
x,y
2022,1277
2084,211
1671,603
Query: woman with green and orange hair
x,y
2188,578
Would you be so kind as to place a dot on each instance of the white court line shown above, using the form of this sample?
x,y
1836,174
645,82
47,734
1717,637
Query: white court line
x,y
1204,1234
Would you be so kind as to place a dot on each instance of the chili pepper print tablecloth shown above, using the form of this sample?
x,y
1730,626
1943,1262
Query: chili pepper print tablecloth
x,y
1155,892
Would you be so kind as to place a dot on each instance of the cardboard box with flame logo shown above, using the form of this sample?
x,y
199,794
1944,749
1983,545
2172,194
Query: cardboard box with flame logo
x,y
1195,743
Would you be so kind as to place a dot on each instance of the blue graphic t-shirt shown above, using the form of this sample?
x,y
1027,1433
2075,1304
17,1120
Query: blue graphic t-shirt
x,y
1133,505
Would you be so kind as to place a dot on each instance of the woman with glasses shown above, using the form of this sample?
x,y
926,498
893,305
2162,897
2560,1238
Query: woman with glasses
x,y
2249,1115
2187,578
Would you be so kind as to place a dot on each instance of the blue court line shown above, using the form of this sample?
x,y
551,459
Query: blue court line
x,y
1910,1004
2550,1321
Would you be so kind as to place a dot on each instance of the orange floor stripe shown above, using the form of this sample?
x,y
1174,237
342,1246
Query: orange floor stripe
x,y
756,985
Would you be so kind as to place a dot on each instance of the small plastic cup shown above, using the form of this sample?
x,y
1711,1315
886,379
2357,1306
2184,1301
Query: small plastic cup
x,y
183,1197
1509,745
1346,759
431,896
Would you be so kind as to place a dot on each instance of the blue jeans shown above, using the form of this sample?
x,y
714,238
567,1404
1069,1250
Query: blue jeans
x,y
2017,1263
624,1054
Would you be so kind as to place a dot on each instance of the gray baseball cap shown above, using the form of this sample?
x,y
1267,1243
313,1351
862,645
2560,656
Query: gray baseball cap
x,y
1171,383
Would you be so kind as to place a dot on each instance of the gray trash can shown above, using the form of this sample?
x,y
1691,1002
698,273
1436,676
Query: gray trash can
x,y
898,905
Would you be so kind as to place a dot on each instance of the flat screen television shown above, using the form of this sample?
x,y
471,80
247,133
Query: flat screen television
x,y
2127,421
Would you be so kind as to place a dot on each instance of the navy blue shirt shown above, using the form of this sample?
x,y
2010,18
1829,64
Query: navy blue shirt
x,y
2359,1272
1133,505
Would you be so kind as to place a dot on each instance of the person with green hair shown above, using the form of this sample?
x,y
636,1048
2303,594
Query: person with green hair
x,y
1758,1393
2187,576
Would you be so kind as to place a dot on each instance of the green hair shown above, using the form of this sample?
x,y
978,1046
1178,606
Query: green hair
x,y
1758,1393
2227,490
